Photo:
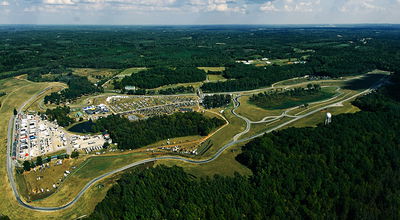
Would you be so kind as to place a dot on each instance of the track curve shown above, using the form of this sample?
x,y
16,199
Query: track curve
x,y
215,156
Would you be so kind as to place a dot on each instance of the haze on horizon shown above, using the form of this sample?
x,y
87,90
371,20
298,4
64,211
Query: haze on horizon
x,y
176,12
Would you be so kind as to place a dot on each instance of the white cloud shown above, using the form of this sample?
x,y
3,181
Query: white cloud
x,y
363,5
219,5
58,2
269,6
291,5
4,3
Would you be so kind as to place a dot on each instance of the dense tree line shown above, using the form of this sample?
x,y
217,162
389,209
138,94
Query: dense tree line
x,y
4,217
49,51
77,86
216,101
168,91
60,114
156,77
347,170
247,77
131,135
176,90
271,98
47,73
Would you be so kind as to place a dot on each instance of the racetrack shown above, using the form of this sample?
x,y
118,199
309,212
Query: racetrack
x,y
235,141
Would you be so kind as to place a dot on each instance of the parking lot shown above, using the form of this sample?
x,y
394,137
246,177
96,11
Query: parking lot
x,y
151,106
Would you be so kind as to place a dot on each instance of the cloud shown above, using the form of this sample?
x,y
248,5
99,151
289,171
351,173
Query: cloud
x,y
4,3
268,6
291,5
363,5
205,11
216,5
58,2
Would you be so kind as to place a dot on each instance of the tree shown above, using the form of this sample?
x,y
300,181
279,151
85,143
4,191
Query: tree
x,y
27,165
4,217
39,161
15,111
75,154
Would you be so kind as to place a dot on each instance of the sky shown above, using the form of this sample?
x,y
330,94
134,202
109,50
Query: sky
x,y
198,12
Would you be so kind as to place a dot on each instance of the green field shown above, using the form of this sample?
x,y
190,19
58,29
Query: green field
x,y
212,69
128,72
95,75
212,77
253,112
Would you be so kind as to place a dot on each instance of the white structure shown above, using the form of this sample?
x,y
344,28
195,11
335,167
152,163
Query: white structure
x,y
328,118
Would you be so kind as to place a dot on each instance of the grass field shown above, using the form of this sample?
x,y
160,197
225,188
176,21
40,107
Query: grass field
x,y
212,77
225,165
319,117
95,75
38,104
291,82
212,69
128,72
262,127
33,181
193,84
252,112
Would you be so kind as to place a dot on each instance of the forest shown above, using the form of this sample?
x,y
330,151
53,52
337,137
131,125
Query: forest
x,y
177,90
160,76
77,87
216,101
333,52
3,217
60,113
131,135
345,170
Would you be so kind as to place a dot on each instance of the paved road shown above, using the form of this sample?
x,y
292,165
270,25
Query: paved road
x,y
10,141
216,155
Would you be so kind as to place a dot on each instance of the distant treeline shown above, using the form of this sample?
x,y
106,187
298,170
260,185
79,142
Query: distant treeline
x,y
131,135
160,76
48,52
216,101
248,77
346,170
